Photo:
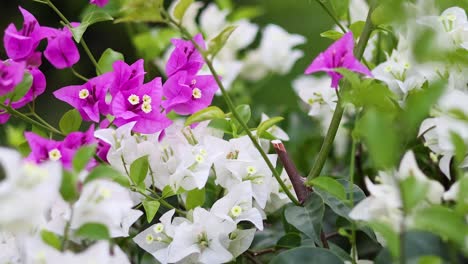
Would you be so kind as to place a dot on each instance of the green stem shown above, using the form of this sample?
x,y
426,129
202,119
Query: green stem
x,y
66,231
161,200
235,114
332,15
338,114
82,42
354,255
78,75
25,118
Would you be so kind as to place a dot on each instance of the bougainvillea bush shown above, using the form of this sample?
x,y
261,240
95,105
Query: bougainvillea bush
x,y
169,168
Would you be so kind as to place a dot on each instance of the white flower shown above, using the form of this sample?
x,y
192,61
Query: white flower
x,y
277,49
105,202
278,197
236,206
156,239
227,68
205,239
9,249
213,20
240,241
188,21
316,92
24,181
452,193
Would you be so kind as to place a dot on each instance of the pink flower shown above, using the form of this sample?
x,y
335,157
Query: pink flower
x,y
21,44
61,50
187,94
141,105
100,3
126,76
63,151
90,98
185,56
37,88
338,55
11,74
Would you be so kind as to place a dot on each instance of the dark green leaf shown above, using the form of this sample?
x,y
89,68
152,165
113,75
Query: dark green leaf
x,y
392,238
341,8
93,231
108,57
151,208
308,255
195,198
357,28
70,122
460,147
307,218
290,240
209,113
139,170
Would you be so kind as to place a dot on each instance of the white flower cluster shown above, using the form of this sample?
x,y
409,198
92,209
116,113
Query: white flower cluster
x,y
275,54
31,203
184,159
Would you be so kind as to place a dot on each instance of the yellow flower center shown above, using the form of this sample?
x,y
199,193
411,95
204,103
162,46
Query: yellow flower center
x,y
147,99
158,228
146,108
251,169
83,94
196,93
236,211
55,155
149,239
134,99
199,158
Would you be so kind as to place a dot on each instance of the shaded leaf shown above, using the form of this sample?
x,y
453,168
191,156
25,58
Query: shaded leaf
x,y
308,255
139,170
70,121
108,57
93,231
209,113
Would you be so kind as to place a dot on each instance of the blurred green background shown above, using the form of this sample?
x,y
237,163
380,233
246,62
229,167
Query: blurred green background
x,y
274,96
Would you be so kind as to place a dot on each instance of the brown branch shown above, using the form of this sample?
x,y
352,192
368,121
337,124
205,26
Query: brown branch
x,y
297,180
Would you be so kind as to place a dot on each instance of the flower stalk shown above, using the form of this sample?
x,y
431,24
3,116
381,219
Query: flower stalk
x,y
339,110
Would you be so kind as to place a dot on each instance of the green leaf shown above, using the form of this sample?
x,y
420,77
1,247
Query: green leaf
x,y
460,147
217,43
68,187
246,12
142,11
290,240
51,239
22,88
108,57
375,126
310,255
180,8
392,238
331,34
89,19
167,192
221,124
330,185
195,198
265,125
341,8
152,43
244,114
70,122
151,208
442,221
15,135
82,157
224,4
107,172
427,260
209,113
413,192
93,231
307,218
357,28
139,169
